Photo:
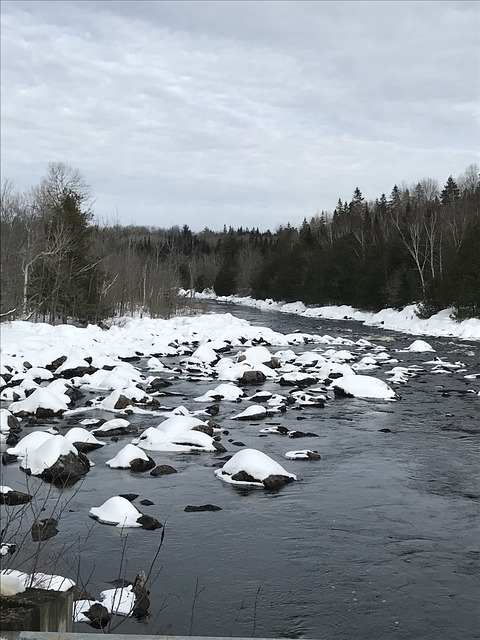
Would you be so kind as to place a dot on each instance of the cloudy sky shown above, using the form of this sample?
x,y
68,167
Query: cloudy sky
x,y
238,113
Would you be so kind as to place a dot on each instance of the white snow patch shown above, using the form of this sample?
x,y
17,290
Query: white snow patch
x,y
116,511
256,463
366,387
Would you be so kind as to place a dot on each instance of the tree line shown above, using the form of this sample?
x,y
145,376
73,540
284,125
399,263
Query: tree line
x,y
419,244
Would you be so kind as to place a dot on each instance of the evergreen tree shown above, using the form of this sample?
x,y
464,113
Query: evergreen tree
x,y
451,193
67,280
462,283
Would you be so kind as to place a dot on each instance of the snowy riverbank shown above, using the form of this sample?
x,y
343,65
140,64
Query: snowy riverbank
x,y
406,321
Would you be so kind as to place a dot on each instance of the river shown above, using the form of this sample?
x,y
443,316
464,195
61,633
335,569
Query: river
x,y
378,539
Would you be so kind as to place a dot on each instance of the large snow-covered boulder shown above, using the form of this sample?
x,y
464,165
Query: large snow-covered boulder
x,y
42,403
29,443
56,460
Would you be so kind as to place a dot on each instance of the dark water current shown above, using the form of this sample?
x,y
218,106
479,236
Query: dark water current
x,y
379,539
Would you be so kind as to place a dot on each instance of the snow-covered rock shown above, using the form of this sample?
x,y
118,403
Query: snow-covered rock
x,y
188,441
40,401
29,443
120,601
56,460
229,392
254,412
125,457
250,467
9,424
420,346
367,387
38,580
116,426
303,454
82,439
119,512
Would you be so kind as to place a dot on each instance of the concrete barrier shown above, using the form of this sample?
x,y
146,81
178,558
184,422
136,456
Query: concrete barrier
x,y
37,609
116,636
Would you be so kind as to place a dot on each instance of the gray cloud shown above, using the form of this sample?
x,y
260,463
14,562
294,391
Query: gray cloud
x,y
243,113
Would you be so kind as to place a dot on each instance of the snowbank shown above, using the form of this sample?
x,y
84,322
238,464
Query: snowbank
x,y
404,321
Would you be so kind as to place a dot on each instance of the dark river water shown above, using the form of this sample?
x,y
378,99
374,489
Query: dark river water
x,y
378,539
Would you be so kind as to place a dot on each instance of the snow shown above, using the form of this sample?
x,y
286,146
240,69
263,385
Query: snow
x,y
256,355
254,412
120,601
323,355
228,392
255,463
404,321
80,607
11,584
111,425
125,456
420,346
39,399
29,443
77,434
179,424
302,454
188,441
45,455
206,354
366,387
37,580
116,511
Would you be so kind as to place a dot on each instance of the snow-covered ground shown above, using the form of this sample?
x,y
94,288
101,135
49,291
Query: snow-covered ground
x,y
405,321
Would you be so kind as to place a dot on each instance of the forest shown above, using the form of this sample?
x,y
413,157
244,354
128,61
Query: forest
x,y
420,243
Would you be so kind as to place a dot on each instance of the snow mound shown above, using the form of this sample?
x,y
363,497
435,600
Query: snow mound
x,y
40,399
229,392
366,387
22,581
420,346
125,456
29,443
254,412
116,511
47,454
120,601
256,464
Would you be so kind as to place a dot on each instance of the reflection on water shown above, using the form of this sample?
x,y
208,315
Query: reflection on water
x,y
379,538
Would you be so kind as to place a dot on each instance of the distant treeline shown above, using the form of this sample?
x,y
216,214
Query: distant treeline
x,y
418,244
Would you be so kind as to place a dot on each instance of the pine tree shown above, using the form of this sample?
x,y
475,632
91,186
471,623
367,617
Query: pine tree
x,y
67,281
451,193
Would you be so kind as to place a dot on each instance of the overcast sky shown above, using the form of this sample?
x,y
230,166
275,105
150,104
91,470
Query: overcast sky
x,y
238,113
